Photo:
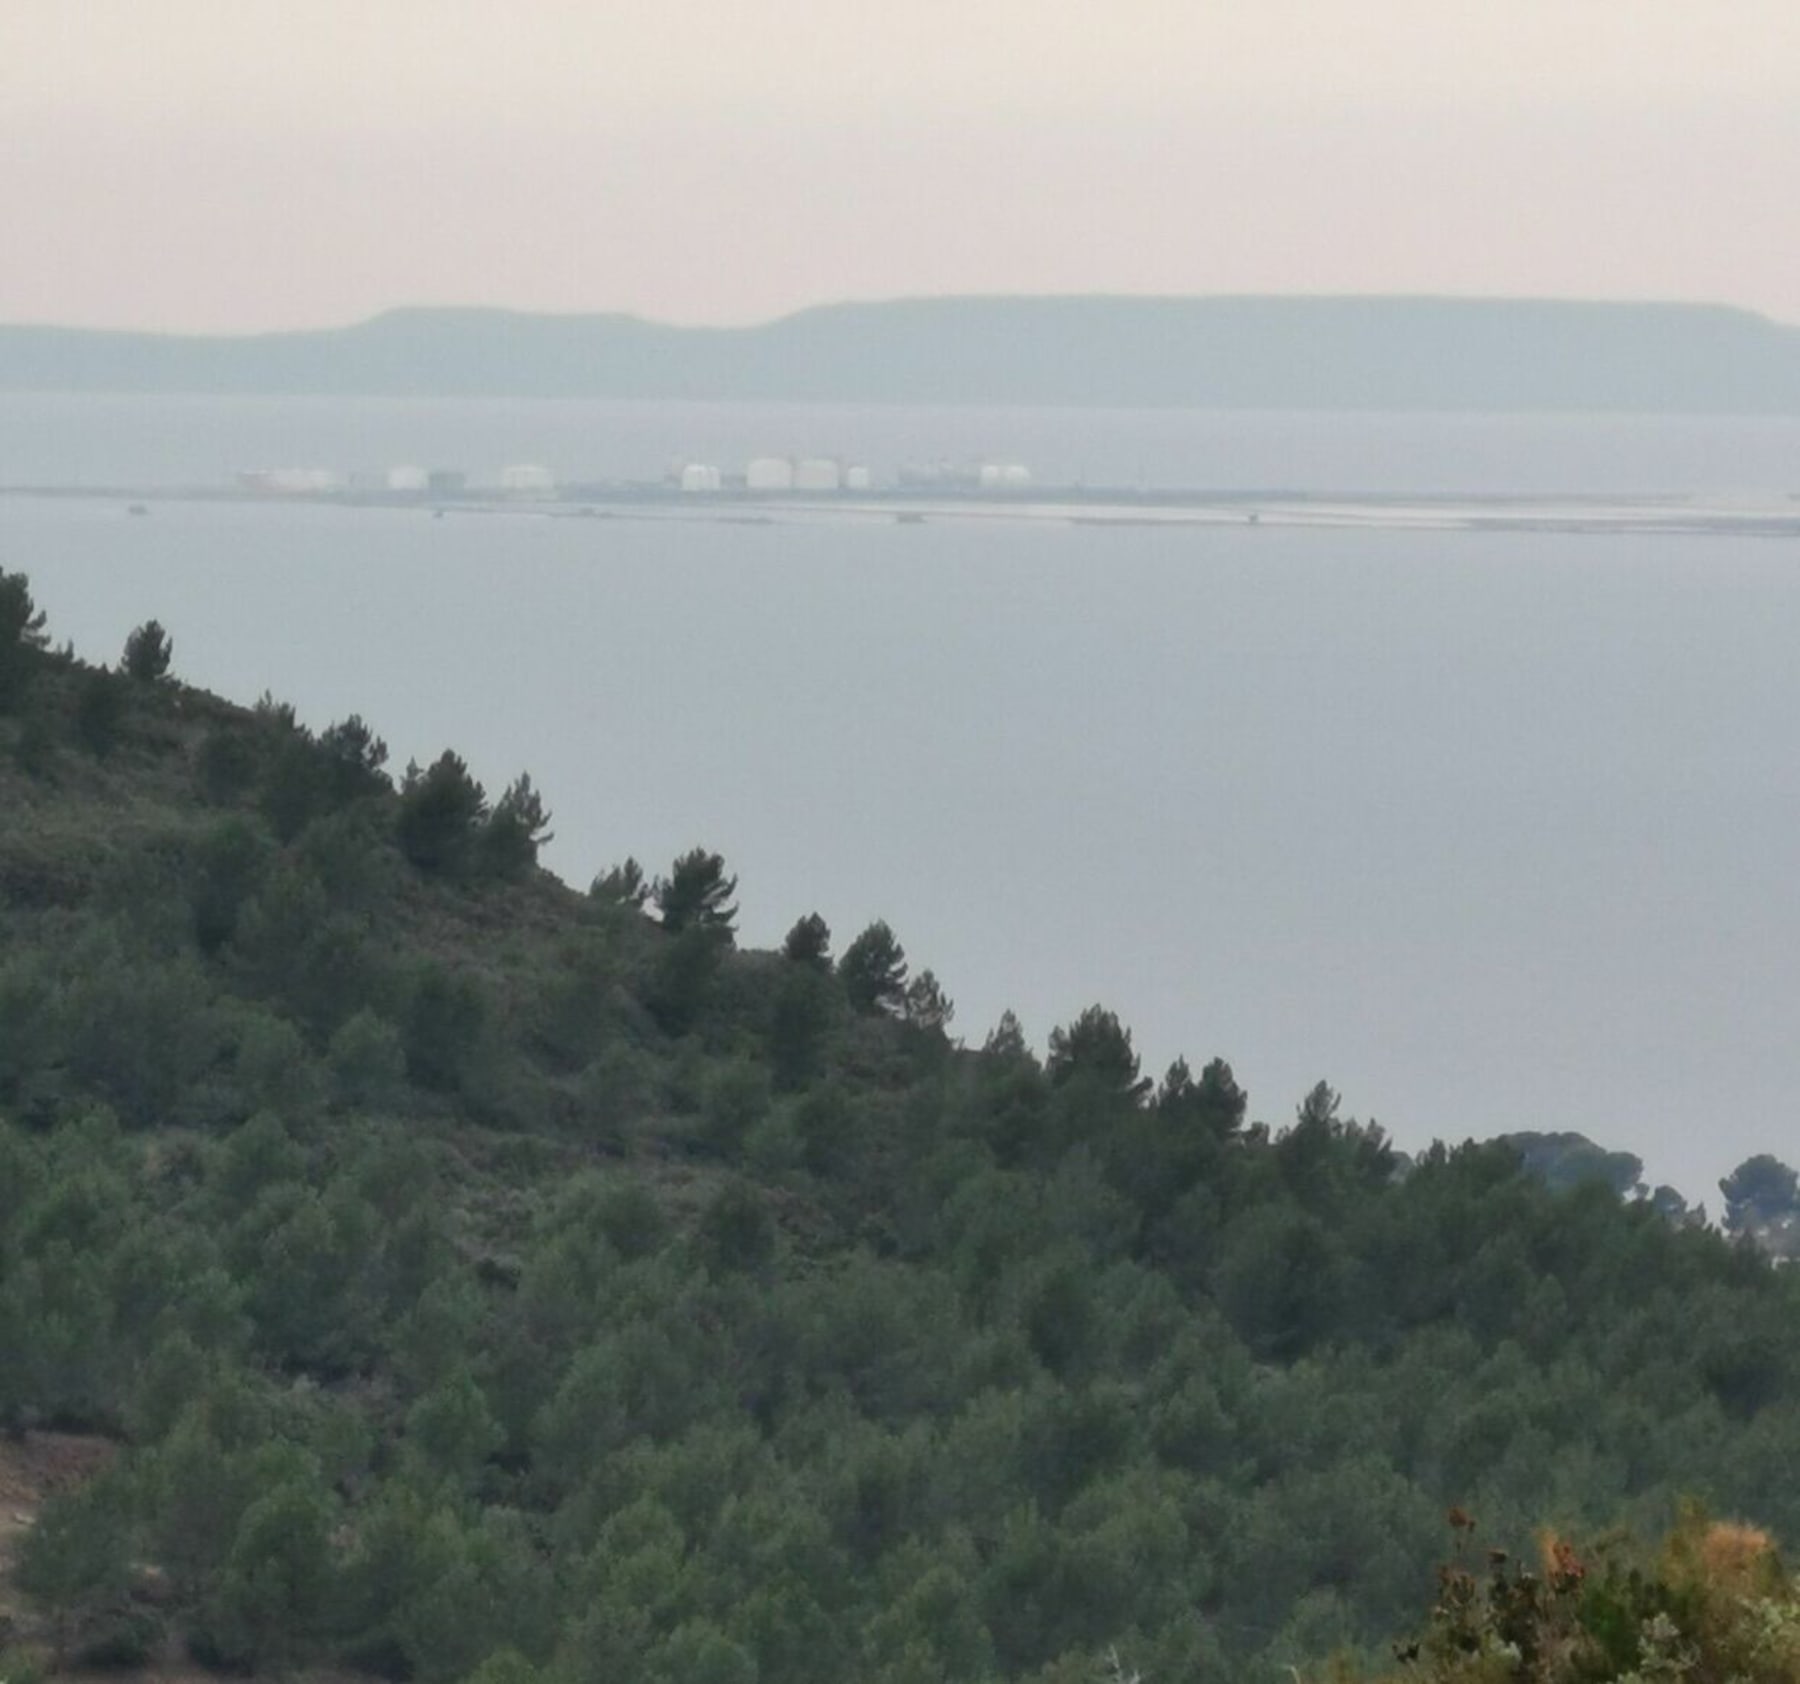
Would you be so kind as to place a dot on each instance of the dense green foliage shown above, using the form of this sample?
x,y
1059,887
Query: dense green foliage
x,y
484,1279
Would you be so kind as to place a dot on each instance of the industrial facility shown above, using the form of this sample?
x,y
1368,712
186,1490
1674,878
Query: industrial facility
x,y
762,476
527,479
770,473
965,476
814,474
288,482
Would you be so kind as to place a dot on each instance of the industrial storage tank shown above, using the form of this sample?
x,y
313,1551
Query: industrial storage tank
x,y
408,478
941,473
769,473
818,473
288,481
699,476
857,477
527,479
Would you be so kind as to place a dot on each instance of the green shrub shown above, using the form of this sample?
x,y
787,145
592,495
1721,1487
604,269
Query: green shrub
x,y
225,764
275,1070
34,745
99,711
737,1232
614,1092
75,1562
367,1060
445,1029
121,1641
734,1100
293,788
229,866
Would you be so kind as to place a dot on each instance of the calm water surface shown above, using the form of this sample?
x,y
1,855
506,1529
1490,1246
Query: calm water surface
x,y
1491,830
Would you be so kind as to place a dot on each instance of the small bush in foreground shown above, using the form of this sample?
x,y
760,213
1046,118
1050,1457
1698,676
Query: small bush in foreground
x,y
1714,1606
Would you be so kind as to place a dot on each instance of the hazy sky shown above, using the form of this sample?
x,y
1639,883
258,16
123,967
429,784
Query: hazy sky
x,y
231,164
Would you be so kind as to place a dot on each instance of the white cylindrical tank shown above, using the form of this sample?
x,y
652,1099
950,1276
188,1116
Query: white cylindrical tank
x,y
700,476
1014,475
288,480
857,478
527,479
769,473
817,473
407,478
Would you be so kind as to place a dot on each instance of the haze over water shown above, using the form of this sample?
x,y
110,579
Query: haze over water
x,y
1493,831
48,439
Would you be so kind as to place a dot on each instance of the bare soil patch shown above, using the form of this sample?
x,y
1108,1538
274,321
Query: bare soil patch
x,y
32,1470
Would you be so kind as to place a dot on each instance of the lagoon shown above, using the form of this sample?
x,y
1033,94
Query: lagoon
x,y
1493,830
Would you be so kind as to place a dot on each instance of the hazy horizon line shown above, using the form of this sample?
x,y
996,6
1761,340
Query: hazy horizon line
x,y
888,300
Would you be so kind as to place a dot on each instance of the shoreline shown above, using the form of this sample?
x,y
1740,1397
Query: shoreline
x,y
1593,513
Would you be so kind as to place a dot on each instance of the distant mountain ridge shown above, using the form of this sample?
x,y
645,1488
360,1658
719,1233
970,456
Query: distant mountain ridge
x,y
1346,353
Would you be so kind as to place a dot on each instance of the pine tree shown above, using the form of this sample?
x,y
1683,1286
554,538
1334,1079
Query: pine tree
x,y
873,970
441,813
697,894
148,651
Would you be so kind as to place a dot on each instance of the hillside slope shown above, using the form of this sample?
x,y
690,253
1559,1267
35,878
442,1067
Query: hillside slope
x,y
1273,353
484,1279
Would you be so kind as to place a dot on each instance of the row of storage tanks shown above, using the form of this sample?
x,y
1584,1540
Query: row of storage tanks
x,y
529,479
520,478
781,473
763,473
826,473
964,476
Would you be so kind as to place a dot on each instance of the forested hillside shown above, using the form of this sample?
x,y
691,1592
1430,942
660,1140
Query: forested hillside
x,y
481,1278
